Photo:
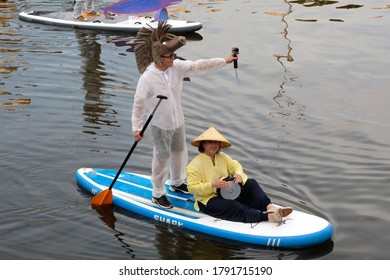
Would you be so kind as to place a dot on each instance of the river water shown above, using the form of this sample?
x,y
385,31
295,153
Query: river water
x,y
309,120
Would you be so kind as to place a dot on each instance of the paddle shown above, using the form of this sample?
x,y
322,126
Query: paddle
x,y
105,197
236,51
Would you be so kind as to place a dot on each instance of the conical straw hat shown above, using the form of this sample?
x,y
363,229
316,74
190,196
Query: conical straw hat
x,y
211,134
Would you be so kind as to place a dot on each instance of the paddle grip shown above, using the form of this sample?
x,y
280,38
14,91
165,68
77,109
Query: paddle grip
x,y
235,51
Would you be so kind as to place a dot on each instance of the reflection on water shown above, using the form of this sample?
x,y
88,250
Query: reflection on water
x,y
319,3
350,6
11,57
312,3
286,56
6,13
106,213
97,110
284,102
8,54
309,120
186,246
123,41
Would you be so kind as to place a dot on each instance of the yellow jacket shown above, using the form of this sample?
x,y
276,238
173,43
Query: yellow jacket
x,y
201,172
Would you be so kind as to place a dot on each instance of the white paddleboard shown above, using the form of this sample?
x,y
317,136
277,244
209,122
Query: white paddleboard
x,y
113,23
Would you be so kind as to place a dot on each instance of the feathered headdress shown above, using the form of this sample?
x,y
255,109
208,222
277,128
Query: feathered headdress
x,y
151,43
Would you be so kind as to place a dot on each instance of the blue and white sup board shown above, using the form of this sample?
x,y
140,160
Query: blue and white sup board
x,y
133,192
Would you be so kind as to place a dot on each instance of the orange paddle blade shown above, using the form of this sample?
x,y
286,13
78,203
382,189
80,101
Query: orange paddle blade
x,y
103,198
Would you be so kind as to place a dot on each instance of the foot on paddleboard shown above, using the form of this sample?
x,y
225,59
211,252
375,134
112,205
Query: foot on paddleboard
x,y
278,213
80,19
163,202
182,188
91,14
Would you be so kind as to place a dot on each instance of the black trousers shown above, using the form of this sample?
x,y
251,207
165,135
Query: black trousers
x,y
249,207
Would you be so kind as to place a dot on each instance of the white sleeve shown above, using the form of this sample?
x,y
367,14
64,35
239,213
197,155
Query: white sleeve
x,y
139,105
203,65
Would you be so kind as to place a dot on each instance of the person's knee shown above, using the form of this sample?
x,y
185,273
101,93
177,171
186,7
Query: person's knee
x,y
163,156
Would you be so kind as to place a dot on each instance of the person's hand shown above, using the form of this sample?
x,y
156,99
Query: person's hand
x,y
231,58
137,136
237,178
219,183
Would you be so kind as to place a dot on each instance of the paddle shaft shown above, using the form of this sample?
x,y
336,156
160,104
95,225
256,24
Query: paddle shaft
x,y
161,97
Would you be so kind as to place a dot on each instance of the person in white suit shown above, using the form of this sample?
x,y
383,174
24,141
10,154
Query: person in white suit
x,y
83,6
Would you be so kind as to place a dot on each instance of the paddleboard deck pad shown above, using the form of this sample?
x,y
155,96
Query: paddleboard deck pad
x,y
133,192
113,23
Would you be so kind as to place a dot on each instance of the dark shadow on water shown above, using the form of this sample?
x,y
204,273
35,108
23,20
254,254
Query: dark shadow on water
x,y
106,213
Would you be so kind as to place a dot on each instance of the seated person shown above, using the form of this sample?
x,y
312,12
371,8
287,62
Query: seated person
x,y
205,174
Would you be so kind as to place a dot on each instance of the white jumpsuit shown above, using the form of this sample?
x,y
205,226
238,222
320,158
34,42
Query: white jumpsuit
x,y
83,6
170,154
